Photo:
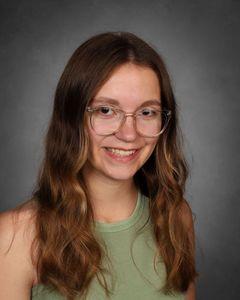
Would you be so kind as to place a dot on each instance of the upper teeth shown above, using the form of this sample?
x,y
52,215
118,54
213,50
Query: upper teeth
x,y
122,152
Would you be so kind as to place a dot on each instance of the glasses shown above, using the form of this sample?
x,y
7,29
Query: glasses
x,y
148,122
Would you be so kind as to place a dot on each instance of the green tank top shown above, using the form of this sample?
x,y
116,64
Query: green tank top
x,y
125,246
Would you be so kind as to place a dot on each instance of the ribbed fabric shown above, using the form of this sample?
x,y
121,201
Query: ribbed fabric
x,y
126,242
125,224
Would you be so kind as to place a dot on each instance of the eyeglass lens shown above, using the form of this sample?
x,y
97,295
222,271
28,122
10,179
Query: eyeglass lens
x,y
148,125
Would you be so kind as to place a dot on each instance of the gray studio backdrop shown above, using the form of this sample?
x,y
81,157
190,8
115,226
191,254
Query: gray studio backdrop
x,y
199,41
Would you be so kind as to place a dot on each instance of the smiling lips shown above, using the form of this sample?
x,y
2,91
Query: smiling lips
x,y
120,155
121,152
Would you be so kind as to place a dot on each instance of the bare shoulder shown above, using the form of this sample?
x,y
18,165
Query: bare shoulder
x,y
17,231
17,226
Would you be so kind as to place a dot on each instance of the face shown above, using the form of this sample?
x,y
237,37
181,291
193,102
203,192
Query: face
x,y
130,85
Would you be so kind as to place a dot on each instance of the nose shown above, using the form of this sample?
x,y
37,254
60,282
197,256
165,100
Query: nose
x,y
127,131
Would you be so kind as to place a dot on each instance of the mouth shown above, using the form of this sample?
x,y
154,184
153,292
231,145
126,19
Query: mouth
x,y
119,150
124,149
122,154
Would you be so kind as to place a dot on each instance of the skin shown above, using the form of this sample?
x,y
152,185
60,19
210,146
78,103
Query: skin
x,y
110,183
111,187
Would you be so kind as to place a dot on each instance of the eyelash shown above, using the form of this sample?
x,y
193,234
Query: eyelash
x,y
142,109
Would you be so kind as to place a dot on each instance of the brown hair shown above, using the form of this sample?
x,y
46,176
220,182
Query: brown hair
x,y
68,252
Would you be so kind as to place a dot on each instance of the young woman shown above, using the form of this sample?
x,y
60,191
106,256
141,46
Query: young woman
x,y
108,218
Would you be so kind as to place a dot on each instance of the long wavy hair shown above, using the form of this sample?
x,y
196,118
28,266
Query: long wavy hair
x,y
68,254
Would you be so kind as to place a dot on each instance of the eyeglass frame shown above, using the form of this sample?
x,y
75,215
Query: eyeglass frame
x,y
125,115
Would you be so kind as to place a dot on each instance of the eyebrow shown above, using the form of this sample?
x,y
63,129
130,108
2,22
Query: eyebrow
x,y
115,102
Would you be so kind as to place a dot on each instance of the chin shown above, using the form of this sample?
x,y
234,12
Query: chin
x,y
119,174
120,177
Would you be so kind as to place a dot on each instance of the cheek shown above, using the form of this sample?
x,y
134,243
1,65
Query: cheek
x,y
152,144
92,141
150,148
95,142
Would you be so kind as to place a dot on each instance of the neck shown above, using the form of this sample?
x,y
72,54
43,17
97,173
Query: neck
x,y
112,200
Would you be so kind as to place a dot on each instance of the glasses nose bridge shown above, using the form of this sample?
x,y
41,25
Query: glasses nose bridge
x,y
123,122
124,118
125,115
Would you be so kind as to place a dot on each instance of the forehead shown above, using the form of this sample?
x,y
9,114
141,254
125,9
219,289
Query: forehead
x,y
115,102
130,86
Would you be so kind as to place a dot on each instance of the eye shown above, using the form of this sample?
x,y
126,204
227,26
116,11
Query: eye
x,y
148,112
106,111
